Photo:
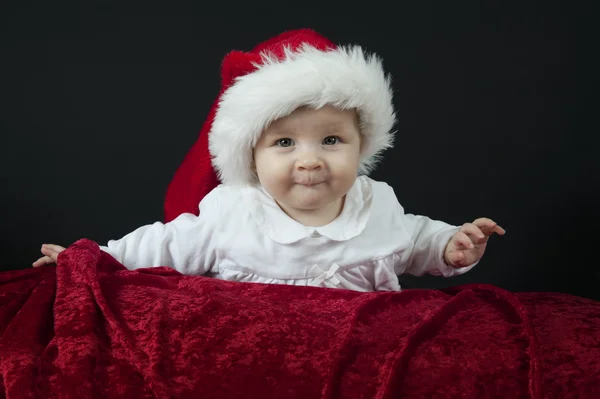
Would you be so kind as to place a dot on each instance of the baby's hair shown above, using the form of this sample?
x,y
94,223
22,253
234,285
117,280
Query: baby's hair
x,y
358,120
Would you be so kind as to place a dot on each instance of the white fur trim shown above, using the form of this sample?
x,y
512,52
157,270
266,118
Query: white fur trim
x,y
343,77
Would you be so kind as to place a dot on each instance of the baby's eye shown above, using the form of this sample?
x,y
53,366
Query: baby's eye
x,y
331,140
285,142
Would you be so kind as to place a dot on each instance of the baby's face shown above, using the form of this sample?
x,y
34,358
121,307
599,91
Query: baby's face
x,y
309,159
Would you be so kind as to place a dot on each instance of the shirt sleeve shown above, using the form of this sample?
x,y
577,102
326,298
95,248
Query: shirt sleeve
x,y
429,238
186,244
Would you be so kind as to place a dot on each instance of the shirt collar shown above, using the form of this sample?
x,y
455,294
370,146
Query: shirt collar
x,y
281,228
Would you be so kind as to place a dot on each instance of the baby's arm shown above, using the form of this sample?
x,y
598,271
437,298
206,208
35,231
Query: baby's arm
x,y
186,244
429,238
443,249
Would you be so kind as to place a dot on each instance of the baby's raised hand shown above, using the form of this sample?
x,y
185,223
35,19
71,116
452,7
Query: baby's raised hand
x,y
468,244
51,252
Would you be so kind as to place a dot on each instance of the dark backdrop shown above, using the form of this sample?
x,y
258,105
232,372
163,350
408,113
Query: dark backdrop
x,y
100,101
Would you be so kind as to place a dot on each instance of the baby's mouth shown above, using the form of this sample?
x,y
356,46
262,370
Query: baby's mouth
x,y
310,179
309,182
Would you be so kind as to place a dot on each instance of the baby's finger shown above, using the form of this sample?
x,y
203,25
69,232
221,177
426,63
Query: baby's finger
x,y
50,253
52,250
474,232
44,260
489,227
53,247
456,258
499,230
462,241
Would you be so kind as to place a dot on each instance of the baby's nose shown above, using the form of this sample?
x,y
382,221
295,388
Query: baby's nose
x,y
309,164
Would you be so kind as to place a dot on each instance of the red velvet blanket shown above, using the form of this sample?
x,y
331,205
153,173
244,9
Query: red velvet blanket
x,y
90,328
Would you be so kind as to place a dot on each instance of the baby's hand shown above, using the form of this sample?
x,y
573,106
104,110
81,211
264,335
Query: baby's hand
x,y
51,252
468,244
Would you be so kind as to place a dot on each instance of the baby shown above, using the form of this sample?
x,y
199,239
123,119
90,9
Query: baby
x,y
298,126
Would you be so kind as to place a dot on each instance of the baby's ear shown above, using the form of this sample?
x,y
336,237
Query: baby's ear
x,y
236,64
253,163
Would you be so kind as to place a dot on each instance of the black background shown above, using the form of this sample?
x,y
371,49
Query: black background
x,y
100,101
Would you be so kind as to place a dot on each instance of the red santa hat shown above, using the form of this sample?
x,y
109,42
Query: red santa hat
x,y
296,68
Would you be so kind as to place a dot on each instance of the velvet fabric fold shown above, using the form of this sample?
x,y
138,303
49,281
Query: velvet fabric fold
x,y
89,328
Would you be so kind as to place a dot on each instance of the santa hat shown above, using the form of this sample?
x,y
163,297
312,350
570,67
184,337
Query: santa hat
x,y
296,68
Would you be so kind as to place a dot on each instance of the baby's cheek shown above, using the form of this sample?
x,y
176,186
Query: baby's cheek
x,y
346,165
273,180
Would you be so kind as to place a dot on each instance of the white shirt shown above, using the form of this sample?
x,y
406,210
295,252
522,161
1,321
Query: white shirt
x,y
241,234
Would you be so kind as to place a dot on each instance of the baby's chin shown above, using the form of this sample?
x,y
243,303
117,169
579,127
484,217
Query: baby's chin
x,y
312,201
